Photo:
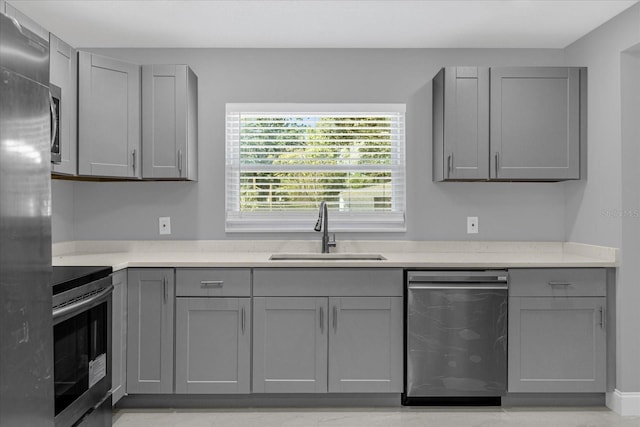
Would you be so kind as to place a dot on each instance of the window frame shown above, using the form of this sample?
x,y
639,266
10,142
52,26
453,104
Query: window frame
x,y
279,221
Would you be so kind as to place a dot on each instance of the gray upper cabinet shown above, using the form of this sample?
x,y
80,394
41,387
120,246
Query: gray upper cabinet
x,y
150,329
63,62
169,122
508,123
365,344
535,123
557,331
461,124
108,117
213,341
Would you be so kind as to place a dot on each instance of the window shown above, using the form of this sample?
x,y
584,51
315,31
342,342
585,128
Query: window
x,y
282,160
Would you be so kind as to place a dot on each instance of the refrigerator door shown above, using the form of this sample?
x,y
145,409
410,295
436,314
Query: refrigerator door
x,y
26,334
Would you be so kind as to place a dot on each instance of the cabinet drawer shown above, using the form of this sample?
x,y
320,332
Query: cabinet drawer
x,y
295,282
213,282
548,282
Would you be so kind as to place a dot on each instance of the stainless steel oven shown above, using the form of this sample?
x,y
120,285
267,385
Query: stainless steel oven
x,y
55,99
82,342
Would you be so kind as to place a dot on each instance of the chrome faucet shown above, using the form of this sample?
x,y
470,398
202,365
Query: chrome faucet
x,y
323,225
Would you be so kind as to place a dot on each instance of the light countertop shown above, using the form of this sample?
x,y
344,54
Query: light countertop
x,y
404,254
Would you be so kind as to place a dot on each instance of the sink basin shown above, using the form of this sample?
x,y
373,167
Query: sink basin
x,y
327,257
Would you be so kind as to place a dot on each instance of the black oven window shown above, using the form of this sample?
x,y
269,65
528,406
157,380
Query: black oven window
x,y
79,341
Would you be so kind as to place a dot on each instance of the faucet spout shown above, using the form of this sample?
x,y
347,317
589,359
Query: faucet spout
x,y
323,225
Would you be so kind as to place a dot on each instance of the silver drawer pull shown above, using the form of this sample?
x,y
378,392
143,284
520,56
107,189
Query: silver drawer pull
x,y
560,283
212,283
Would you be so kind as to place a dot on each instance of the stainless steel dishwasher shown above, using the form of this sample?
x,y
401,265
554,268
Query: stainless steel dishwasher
x,y
456,337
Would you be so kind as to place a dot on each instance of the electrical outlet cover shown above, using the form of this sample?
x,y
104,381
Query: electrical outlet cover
x,y
472,225
164,224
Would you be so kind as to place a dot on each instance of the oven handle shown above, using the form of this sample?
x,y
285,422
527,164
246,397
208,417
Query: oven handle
x,y
83,304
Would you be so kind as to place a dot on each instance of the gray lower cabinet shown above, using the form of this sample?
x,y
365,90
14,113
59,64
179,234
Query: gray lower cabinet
x,y
108,117
64,74
318,344
365,344
213,341
119,336
318,330
169,122
290,344
150,326
557,331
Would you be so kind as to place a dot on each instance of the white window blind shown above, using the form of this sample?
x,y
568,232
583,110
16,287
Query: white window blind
x,y
282,160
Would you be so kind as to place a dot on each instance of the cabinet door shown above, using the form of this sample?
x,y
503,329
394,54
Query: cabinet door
x,y
289,345
108,117
166,135
63,73
535,123
365,344
557,344
119,336
150,330
461,123
213,339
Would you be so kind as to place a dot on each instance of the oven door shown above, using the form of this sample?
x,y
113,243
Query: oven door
x,y
82,355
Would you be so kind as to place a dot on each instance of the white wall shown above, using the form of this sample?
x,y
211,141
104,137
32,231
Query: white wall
x,y
506,211
598,208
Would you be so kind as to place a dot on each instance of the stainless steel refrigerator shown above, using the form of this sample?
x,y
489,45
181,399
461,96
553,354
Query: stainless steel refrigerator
x,y
26,332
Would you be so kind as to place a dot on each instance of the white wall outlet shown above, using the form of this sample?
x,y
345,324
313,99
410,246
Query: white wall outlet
x,y
164,223
472,225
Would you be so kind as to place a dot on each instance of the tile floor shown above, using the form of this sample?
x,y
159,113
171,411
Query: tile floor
x,y
374,417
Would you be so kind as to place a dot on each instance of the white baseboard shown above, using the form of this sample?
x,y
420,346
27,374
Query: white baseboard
x,y
624,403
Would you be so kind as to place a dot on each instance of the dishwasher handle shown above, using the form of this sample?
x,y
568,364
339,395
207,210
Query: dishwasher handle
x,y
458,277
459,286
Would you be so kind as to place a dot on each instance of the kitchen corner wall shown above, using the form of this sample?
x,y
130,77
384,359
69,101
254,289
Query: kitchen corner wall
x,y
130,210
62,210
605,208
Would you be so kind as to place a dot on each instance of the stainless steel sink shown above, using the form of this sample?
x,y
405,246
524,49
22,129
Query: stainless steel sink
x,y
327,257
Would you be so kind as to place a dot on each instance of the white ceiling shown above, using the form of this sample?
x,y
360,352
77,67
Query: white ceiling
x,y
322,23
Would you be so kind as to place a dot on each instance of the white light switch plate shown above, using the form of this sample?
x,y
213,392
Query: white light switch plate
x,y
472,225
164,224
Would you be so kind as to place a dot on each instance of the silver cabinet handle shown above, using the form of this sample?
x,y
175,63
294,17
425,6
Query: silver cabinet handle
x,y
497,162
552,283
54,119
335,319
449,164
601,317
133,157
243,320
321,320
180,163
165,290
212,283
